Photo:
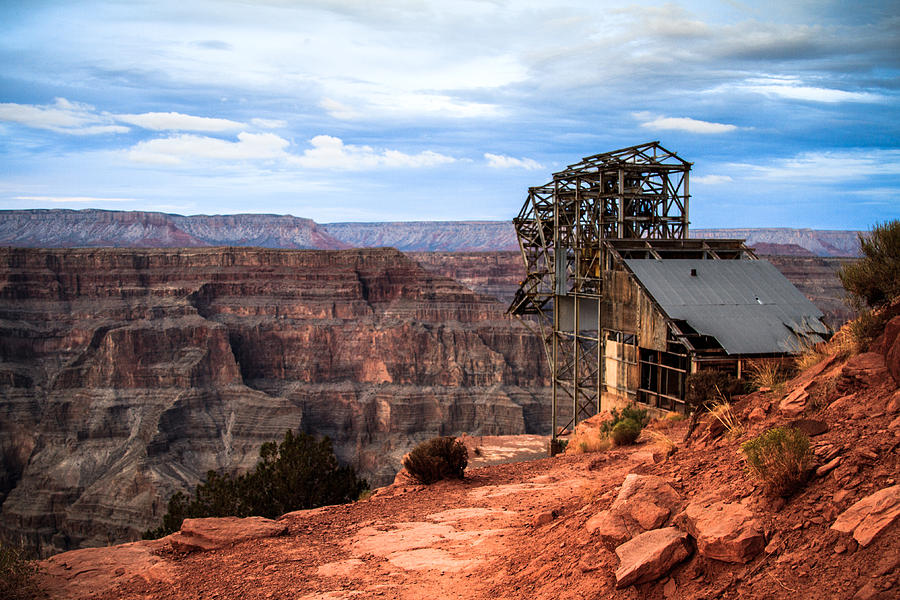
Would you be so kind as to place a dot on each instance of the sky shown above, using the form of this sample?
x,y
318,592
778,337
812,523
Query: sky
x,y
421,110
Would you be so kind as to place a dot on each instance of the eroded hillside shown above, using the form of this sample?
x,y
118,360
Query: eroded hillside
x,y
632,523
127,374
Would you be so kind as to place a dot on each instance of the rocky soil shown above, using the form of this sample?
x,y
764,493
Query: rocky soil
x,y
125,375
638,522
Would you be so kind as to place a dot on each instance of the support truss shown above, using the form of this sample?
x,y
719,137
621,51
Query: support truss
x,y
639,192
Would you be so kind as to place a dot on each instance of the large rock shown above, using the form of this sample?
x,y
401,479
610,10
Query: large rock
x,y
221,532
644,502
724,531
651,555
127,374
870,516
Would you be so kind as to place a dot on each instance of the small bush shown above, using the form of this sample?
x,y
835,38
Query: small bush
x,y
780,458
436,459
638,415
867,326
301,472
16,573
874,280
625,432
709,386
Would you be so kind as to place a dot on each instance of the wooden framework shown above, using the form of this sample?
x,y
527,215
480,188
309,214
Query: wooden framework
x,y
636,193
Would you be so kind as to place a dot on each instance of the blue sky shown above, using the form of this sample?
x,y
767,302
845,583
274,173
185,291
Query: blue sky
x,y
339,110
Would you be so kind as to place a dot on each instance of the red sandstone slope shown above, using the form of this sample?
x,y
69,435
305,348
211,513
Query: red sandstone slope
x,y
556,528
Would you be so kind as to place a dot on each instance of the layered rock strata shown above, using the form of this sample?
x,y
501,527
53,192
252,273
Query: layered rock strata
x,y
126,374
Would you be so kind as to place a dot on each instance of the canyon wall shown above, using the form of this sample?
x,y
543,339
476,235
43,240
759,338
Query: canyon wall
x,y
126,374
59,228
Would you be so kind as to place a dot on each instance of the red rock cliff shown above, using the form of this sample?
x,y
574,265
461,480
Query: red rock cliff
x,y
127,374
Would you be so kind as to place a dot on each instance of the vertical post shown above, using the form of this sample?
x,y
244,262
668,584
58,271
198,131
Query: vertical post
x,y
620,226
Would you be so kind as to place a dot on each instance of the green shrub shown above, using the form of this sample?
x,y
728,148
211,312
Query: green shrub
x,y
638,415
436,459
301,472
16,573
874,280
780,458
705,387
625,432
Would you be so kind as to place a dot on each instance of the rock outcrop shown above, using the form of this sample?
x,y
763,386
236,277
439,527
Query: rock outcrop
x,y
126,375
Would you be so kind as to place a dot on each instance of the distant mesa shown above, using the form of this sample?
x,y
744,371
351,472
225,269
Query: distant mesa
x,y
61,228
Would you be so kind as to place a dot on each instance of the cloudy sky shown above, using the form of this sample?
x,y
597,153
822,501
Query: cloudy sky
x,y
346,110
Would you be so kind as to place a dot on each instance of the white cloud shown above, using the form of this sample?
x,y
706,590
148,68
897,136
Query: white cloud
x,y
338,110
816,167
330,152
62,116
794,89
327,152
269,123
172,121
499,161
685,124
73,199
173,150
711,179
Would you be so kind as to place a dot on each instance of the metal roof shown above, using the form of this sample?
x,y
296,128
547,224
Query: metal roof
x,y
747,305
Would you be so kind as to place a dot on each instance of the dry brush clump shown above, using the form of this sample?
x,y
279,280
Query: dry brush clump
x,y
16,573
780,459
724,413
436,459
767,372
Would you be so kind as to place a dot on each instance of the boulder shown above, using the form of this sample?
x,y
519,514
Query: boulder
x,y
610,527
795,402
651,555
650,488
810,427
870,516
221,532
724,531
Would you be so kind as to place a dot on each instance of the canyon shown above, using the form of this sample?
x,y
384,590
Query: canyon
x,y
61,228
127,374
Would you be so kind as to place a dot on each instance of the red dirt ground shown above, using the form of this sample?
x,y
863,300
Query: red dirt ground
x,y
517,530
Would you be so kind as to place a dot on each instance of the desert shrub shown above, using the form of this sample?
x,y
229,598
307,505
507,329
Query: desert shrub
x,y
16,572
874,280
301,472
867,326
780,458
436,459
625,432
638,415
704,387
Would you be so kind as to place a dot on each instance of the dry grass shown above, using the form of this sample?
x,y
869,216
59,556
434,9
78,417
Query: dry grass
x,y
593,442
724,413
667,422
767,372
662,441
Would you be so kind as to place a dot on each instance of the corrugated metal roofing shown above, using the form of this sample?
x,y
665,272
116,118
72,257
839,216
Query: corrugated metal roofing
x,y
747,305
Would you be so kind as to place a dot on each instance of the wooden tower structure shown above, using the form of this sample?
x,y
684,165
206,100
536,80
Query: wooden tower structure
x,y
637,193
